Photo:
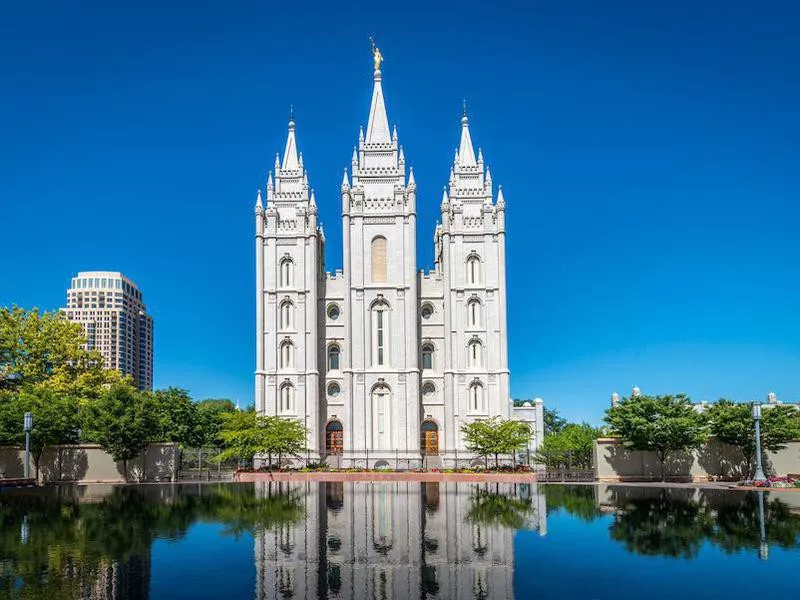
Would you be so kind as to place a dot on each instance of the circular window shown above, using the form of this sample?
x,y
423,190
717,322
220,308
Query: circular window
x,y
334,390
333,312
427,312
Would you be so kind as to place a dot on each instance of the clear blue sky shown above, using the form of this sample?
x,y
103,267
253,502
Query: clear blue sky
x,y
648,151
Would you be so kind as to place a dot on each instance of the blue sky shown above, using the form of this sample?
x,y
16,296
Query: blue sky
x,y
648,153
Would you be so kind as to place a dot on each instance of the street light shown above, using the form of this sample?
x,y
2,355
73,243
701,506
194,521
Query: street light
x,y
28,424
757,418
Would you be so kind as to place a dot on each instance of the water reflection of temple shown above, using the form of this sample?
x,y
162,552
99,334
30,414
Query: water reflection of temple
x,y
383,540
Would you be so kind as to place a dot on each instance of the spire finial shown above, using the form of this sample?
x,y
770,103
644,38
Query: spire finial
x,y
377,57
464,105
291,112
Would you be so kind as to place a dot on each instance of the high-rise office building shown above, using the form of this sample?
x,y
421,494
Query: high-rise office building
x,y
114,318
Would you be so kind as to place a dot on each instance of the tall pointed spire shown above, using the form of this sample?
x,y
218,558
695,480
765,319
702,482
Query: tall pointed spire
x,y
290,160
465,152
378,124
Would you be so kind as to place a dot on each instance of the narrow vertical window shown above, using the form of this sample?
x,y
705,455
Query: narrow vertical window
x,y
286,398
378,258
333,358
427,357
286,273
286,355
286,315
474,351
473,270
474,313
380,337
476,398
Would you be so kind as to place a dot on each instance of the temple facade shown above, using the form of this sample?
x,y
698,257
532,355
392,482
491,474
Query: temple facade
x,y
383,363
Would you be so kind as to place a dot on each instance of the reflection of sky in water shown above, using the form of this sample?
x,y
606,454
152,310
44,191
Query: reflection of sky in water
x,y
204,564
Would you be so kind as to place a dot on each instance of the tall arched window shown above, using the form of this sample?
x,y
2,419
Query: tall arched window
x,y
474,313
427,356
286,400
474,354
381,418
380,334
333,358
476,398
286,272
287,355
378,256
286,315
473,269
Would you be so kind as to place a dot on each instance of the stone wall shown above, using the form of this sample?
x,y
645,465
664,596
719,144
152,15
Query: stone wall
x,y
613,462
86,463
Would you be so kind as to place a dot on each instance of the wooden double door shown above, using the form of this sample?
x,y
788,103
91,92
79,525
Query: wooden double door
x,y
429,438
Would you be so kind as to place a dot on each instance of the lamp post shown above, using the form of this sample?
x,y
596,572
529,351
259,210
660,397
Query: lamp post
x,y
757,418
28,424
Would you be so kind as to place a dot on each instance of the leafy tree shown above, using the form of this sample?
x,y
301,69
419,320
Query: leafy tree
x,y
246,434
495,436
36,347
178,419
55,420
572,446
123,421
210,413
660,424
577,500
732,423
553,422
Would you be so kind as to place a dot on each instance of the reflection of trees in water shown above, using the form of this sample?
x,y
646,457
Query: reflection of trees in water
x,y
661,525
577,500
59,547
492,508
676,523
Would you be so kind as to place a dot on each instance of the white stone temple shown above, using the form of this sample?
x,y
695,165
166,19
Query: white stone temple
x,y
382,362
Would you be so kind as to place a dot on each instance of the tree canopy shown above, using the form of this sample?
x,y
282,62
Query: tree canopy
x,y
732,423
495,436
661,424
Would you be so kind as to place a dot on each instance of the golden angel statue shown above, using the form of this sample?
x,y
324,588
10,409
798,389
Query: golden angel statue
x,y
376,55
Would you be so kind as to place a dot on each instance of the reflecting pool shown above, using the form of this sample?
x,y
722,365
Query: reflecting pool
x,y
396,540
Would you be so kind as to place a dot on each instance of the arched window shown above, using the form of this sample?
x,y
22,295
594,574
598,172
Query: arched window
x,y
476,398
380,334
427,356
286,400
381,418
334,437
287,355
473,269
428,392
382,522
333,358
474,354
286,315
474,313
378,259
286,272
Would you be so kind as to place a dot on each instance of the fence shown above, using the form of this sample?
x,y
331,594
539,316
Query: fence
x,y
200,464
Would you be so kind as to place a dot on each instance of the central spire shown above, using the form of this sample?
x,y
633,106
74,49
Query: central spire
x,y
466,154
290,160
378,124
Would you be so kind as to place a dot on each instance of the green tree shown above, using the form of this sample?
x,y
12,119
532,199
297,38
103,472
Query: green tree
x,y
37,347
178,418
123,421
498,510
495,436
246,434
732,423
553,422
210,413
55,420
660,424
572,446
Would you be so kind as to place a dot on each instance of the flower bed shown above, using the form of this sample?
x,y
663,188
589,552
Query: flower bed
x,y
775,482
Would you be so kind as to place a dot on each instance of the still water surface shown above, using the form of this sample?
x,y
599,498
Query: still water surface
x,y
397,540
